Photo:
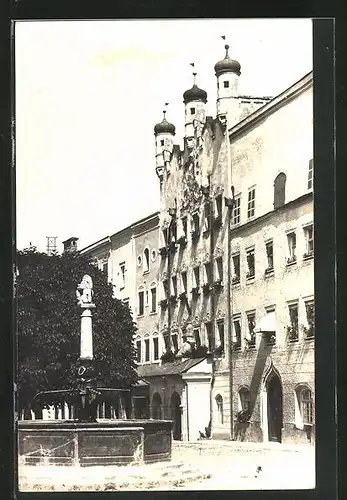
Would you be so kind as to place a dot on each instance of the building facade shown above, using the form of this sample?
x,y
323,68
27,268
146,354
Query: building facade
x,y
220,280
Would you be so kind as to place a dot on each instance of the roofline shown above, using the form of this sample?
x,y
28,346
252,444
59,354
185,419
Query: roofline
x,y
107,239
277,102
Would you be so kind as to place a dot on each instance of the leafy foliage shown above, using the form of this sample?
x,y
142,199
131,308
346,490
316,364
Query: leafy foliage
x,y
48,323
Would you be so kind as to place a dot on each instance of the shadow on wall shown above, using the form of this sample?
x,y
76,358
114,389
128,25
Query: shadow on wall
x,y
263,352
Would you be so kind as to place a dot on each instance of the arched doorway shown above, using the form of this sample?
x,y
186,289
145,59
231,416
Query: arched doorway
x,y
156,406
274,408
176,416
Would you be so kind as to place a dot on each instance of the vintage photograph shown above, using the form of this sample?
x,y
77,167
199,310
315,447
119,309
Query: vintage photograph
x,y
164,274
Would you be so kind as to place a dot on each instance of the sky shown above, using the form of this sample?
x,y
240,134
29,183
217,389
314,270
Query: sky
x,y
88,94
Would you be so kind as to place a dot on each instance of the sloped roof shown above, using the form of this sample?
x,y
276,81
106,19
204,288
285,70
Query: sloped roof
x,y
175,368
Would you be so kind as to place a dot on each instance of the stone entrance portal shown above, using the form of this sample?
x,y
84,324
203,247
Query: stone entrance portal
x,y
176,413
274,408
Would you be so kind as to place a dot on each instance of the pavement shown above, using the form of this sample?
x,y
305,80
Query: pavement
x,y
211,465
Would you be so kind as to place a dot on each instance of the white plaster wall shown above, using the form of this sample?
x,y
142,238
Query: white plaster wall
x,y
198,398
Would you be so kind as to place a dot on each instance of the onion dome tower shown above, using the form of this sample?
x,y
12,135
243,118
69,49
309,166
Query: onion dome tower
x,y
164,133
195,100
227,72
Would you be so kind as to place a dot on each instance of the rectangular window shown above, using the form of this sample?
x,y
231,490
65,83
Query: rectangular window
x,y
219,206
105,268
236,269
310,175
308,232
192,111
208,273
174,340
237,333
122,275
138,351
251,326
196,275
207,213
291,239
208,327
310,318
147,298
293,329
220,329
155,348
166,288
141,303
162,142
226,84
219,269
270,255
174,285
251,203
185,226
306,404
237,210
147,353
197,338
195,226
153,300
184,282
173,228
250,263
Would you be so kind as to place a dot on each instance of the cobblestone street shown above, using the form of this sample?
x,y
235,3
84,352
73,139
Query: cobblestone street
x,y
195,466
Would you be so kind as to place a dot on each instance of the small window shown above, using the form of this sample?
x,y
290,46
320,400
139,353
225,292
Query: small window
x,y
105,268
291,239
139,260
122,274
305,401
197,338
219,403
154,255
174,340
138,351
280,190
237,333
293,328
146,260
162,142
166,288
219,206
147,298
155,348
207,214
251,327
270,255
153,299
174,285
220,331
308,232
208,328
237,210
219,268
309,328
245,400
208,273
226,84
251,203
236,269
141,303
184,281
195,224
173,230
185,225
310,175
147,350
196,276
250,264
192,111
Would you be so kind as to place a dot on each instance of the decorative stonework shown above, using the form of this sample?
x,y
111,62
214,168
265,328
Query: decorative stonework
x,y
184,266
219,252
196,321
206,318
164,276
206,258
218,190
220,314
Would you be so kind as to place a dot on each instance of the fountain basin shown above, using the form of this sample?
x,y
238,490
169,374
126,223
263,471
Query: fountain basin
x,y
106,442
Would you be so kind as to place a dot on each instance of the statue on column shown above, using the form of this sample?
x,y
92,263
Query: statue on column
x,y
84,292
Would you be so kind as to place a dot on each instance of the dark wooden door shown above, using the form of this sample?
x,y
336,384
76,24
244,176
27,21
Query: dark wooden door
x,y
275,409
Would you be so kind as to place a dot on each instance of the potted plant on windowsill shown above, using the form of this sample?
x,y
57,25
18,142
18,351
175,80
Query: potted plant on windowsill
x,y
250,275
308,331
182,240
243,417
163,303
308,255
269,337
168,357
235,280
218,284
195,291
292,333
291,260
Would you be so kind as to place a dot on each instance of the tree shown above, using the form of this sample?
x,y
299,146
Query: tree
x,y
48,324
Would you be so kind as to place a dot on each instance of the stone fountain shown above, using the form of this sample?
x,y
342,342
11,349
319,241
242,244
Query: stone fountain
x,y
85,440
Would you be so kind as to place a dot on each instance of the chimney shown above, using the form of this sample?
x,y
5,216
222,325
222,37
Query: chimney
x,y
70,245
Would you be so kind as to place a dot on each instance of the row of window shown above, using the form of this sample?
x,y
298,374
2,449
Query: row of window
x,y
147,350
269,249
303,395
147,298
